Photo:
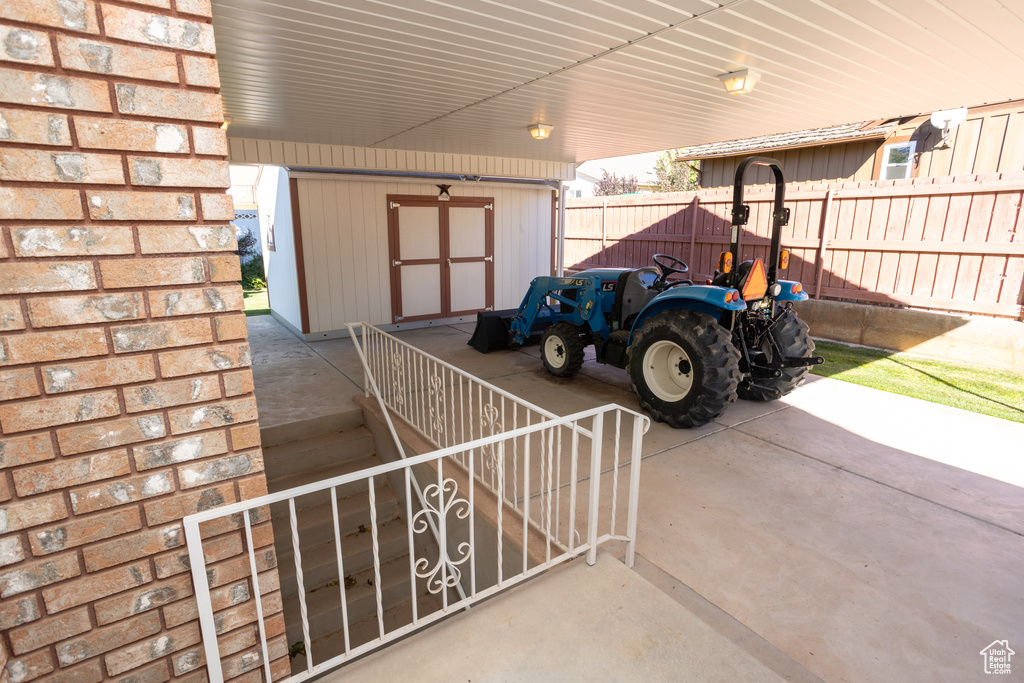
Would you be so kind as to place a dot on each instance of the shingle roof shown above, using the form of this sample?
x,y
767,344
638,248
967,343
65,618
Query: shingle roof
x,y
801,138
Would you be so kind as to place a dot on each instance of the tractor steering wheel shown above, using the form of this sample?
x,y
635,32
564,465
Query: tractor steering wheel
x,y
666,269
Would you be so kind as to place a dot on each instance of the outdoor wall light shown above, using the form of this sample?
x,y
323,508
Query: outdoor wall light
x,y
740,82
540,131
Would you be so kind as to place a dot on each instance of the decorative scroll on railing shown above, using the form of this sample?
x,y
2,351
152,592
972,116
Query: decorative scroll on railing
x,y
550,491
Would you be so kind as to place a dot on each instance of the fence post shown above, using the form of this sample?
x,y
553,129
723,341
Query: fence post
x,y
604,233
596,438
826,220
693,232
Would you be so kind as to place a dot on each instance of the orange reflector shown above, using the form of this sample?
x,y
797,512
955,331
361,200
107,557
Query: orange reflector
x,y
725,262
757,282
784,259
732,296
797,288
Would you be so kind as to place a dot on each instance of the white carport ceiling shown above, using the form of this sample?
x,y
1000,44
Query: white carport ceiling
x,y
614,78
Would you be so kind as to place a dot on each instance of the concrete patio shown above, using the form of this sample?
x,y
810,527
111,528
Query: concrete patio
x,y
841,533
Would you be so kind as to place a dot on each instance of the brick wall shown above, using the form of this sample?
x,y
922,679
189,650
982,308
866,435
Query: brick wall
x,y
125,396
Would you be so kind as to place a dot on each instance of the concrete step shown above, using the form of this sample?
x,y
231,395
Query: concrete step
x,y
320,563
295,458
296,430
301,478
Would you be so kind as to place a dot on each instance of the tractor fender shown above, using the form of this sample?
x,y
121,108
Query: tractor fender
x,y
787,293
701,298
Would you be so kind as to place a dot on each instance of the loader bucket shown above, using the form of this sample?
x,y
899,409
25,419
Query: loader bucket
x,y
491,333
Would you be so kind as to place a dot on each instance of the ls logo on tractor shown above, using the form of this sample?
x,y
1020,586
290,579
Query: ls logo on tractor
x,y
608,286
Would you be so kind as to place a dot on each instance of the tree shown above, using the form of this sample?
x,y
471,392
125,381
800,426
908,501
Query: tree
x,y
610,184
675,176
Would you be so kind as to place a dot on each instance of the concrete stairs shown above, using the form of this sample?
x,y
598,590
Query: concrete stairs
x,y
314,458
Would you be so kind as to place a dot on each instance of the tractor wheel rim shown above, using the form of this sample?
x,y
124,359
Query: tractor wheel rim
x,y
668,371
554,351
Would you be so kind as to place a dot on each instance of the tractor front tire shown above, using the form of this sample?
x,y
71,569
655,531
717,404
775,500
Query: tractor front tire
x,y
562,350
793,337
684,368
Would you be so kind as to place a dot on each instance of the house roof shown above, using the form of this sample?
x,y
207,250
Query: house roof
x,y
467,78
864,130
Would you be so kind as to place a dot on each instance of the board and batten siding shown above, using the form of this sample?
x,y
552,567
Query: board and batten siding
x,y
344,224
311,155
990,140
275,206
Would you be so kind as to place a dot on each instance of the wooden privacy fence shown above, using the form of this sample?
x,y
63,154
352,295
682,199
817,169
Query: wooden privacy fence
x,y
952,244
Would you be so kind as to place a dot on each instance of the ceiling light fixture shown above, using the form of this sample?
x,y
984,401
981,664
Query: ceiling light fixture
x,y
740,82
540,131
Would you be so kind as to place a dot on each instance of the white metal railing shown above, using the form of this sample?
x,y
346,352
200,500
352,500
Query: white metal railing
x,y
506,503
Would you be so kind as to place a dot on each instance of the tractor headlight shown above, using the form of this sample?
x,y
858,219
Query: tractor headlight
x,y
775,290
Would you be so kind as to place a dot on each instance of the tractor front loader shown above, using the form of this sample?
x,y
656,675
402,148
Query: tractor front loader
x,y
690,349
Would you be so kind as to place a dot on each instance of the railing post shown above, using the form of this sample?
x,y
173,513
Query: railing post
x,y
201,584
597,434
823,240
366,354
634,488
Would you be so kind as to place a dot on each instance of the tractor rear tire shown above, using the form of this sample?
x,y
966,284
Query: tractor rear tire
x,y
562,350
684,368
792,336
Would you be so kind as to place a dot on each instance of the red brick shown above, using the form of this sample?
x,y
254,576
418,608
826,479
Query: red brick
x,y
28,668
210,140
175,507
83,54
19,611
134,547
222,547
158,672
201,71
46,166
231,327
49,90
49,631
199,7
92,587
57,410
101,640
31,204
67,472
18,384
58,311
209,359
245,436
36,127
144,100
165,303
73,241
252,487
217,207
100,373
238,640
89,672
151,597
181,612
212,471
223,573
121,492
84,530
226,268
11,550
166,453
190,660
51,346
157,29
33,512
32,575
140,206
5,488
24,46
171,564
161,239
46,276
100,435
24,450
143,652
171,172
173,393
151,271
253,659
238,383
136,136
150,336
11,318
74,16
191,419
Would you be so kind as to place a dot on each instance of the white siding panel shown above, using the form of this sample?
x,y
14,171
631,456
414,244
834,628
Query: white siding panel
x,y
275,205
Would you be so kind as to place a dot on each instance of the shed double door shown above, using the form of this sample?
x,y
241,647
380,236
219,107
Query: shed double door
x,y
442,256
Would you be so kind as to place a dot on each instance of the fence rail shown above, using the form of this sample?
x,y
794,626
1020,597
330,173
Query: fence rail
x,y
951,244
506,502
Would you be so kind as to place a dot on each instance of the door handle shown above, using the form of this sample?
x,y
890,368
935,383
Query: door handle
x,y
396,263
449,262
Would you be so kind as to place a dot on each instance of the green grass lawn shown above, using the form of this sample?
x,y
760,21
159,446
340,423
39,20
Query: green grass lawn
x,y
999,393
256,302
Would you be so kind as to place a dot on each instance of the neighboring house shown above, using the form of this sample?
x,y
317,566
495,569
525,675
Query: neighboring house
x,y
990,140
589,173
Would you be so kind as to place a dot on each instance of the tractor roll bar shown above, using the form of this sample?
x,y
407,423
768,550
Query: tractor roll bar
x,y
741,214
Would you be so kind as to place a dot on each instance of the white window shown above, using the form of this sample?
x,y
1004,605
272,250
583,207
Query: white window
x,y
897,160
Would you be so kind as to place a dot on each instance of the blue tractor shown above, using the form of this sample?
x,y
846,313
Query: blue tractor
x,y
690,349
